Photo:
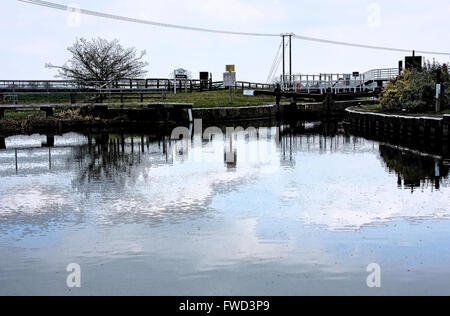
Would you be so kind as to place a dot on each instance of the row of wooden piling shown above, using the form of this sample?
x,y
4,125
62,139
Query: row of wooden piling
x,y
421,126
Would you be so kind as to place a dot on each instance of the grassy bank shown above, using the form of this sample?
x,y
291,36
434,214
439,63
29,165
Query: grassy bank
x,y
218,99
378,108
200,99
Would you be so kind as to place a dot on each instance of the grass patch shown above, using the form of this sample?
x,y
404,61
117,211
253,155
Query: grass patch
x,y
204,99
374,107
446,112
23,114
219,99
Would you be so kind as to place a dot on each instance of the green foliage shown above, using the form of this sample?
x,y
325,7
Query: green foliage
x,y
415,91
392,95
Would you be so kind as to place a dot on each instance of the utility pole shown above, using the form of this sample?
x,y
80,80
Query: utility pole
x,y
290,59
284,61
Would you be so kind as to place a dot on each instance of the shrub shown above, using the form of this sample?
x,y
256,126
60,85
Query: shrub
x,y
415,91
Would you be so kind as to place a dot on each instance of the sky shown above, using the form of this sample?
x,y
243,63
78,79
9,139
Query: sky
x,y
32,36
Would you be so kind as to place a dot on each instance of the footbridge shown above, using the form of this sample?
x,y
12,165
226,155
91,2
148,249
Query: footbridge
x,y
366,82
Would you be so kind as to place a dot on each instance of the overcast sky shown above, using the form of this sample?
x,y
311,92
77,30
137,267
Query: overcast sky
x,y
32,36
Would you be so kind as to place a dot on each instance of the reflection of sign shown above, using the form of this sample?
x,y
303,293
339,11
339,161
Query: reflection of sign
x,y
231,68
249,93
229,79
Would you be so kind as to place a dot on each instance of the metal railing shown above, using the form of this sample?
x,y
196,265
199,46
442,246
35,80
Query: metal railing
x,y
381,74
120,85
338,82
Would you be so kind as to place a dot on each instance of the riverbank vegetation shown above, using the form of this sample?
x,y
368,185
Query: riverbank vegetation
x,y
414,91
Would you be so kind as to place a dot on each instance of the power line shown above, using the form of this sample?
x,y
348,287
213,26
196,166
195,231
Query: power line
x,y
140,21
198,29
325,41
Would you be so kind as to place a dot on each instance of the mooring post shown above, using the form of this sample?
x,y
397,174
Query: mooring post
x,y
278,96
50,141
48,111
73,98
2,143
16,160
329,101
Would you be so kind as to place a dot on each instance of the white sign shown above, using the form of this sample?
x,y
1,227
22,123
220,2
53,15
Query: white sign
x,y
229,79
249,93
181,72
438,90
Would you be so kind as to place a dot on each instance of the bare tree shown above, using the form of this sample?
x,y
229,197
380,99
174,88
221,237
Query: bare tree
x,y
102,60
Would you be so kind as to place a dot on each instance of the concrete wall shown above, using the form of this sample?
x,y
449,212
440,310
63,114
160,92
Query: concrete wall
x,y
235,113
302,110
426,127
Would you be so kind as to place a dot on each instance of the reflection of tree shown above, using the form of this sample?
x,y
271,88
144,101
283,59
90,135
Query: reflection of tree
x,y
109,160
413,169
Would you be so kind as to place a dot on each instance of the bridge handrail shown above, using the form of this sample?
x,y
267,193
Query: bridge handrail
x,y
123,84
381,74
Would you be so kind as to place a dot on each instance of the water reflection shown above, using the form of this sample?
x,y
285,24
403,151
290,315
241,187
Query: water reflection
x,y
222,214
415,169
150,179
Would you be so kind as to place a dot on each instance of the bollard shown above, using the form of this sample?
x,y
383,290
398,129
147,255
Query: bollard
x,y
48,111
73,98
50,142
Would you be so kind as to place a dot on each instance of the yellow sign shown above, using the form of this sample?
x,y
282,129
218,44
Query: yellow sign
x,y
231,68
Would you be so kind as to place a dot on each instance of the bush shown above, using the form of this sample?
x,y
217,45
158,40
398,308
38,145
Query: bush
x,y
414,91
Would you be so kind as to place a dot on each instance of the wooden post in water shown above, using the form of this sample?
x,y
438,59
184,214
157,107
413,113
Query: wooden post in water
x,y
49,158
17,164
50,141
48,111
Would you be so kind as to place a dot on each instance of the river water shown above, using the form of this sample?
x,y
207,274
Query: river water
x,y
301,211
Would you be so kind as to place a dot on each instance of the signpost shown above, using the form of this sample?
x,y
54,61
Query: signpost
x,y
179,74
438,97
249,93
229,79
230,68
438,90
